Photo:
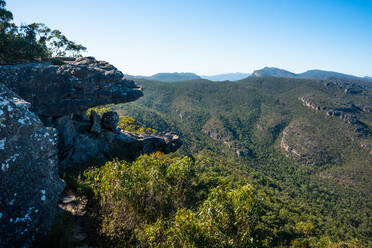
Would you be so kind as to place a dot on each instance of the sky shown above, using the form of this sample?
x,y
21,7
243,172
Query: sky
x,y
144,37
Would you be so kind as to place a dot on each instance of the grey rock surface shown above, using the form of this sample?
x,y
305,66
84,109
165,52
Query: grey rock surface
x,y
110,120
95,120
58,90
29,182
82,146
44,129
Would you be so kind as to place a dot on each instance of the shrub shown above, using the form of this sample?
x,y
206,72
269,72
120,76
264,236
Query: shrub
x,y
225,219
126,195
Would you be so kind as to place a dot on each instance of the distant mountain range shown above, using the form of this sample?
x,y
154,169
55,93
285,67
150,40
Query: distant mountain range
x,y
311,74
168,77
185,76
265,72
227,76
273,72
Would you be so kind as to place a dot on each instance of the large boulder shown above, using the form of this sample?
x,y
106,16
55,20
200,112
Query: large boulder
x,y
29,182
58,90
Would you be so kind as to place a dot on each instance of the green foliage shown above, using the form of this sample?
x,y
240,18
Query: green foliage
x,y
225,219
56,61
128,194
202,201
129,124
333,196
126,123
100,110
33,42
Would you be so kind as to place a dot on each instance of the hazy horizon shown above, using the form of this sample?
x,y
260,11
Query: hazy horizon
x,y
240,72
214,37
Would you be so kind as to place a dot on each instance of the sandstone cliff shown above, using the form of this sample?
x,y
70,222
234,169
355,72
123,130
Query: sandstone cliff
x,y
44,129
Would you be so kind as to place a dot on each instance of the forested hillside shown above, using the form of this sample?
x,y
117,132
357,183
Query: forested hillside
x,y
310,139
265,161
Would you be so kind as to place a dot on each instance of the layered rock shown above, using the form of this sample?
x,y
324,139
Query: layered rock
x,y
352,91
29,182
344,113
60,95
305,142
48,131
349,118
84,139
310,104
357,127
367,109
58,90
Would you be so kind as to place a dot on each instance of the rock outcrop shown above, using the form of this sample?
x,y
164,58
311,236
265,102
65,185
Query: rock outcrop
x,y
44,129
367,109
58,90
357,127
83,139
305,142
352,91
344,113
29,182
310,104
60,95
215,129
349,118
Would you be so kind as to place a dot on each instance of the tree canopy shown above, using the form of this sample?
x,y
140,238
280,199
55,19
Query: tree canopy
x,y
32,42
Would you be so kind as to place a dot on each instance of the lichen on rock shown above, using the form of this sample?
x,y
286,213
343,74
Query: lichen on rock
x,y
29,164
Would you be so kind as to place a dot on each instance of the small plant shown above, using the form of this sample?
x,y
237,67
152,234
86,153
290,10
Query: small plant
x,y
56,61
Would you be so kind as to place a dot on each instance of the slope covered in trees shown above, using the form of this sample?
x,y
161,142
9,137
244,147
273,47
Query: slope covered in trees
x,y
284,129
266,162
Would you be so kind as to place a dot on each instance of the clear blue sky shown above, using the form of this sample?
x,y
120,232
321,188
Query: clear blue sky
x,y
213,36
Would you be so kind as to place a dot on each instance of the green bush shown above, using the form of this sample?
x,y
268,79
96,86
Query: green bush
x,y
225,219
126,195
203,201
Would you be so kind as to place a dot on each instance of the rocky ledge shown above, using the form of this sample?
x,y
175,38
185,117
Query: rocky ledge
x,y
44,129
310,104
359,128
57,90
306,143
83,139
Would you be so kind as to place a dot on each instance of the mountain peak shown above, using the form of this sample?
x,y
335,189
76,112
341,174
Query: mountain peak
x,y
227,76
169,76
310,74
272,72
